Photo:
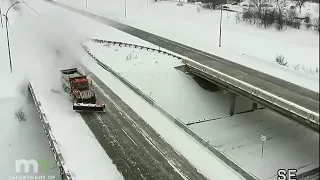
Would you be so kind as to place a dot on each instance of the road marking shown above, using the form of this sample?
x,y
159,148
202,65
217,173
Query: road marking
x,y
129,137
143,133
185,47
171,163
143,177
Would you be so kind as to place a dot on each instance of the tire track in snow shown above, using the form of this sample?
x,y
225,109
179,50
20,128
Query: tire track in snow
x,y
134,142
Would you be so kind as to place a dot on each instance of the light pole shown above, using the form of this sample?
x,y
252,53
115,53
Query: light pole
x,y
125,9
220,26
6,16
86,3
1,18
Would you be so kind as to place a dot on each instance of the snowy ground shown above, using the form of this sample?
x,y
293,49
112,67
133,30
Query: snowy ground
x,y
19,139
35,41
244,44
237,136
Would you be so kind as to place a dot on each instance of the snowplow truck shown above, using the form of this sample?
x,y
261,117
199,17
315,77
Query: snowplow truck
x,y
78,86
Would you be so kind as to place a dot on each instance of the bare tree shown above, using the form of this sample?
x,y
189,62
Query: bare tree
x,y
281,6
257,4
300,3
280,60
238,1
20,115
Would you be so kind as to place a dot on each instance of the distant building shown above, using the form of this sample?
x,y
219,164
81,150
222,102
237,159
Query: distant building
x,y
181,0
218,1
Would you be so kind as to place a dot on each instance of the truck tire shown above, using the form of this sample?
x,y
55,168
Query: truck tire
x,y
64,87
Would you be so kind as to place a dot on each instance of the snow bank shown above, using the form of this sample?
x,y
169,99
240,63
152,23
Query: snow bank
x,y
22,139
64,172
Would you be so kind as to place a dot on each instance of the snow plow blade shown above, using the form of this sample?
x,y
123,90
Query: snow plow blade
x,y
88,107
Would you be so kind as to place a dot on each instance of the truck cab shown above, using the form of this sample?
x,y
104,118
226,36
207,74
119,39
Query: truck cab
x,y
80,84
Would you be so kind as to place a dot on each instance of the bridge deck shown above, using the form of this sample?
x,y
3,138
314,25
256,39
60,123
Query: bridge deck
x,y
286,90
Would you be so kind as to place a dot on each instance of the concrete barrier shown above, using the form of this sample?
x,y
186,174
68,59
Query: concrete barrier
x,y
178,122
64,173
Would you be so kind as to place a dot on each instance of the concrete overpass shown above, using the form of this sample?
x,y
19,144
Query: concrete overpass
x,y
300,104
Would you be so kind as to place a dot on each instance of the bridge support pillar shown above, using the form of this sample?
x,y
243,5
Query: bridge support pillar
x,y
184,68
232,97
254,106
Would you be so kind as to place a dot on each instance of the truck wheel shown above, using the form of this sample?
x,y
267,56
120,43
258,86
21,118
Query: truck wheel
x,y
64,87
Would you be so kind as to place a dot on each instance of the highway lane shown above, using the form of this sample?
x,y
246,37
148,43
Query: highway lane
x,y
289,91
134,147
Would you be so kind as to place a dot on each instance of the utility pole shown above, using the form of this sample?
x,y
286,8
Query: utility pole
x,y
8,42
220,25
125,9
1,18
86,3
263,139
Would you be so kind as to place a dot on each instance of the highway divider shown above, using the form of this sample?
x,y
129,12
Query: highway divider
x,y
230,162
64,173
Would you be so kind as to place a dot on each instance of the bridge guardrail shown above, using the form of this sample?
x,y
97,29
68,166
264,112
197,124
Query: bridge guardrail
x,y
64,172
273,99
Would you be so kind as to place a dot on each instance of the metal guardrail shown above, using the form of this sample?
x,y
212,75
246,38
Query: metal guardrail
x,y
135,46
229,161
302,112
64,173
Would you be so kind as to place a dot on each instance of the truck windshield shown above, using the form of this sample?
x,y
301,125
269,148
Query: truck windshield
x,y
81,85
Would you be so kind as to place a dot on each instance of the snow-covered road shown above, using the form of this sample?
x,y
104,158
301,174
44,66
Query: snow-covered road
x,y
131,142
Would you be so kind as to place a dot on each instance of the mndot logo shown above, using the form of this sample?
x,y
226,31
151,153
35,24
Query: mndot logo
x,y
38,166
